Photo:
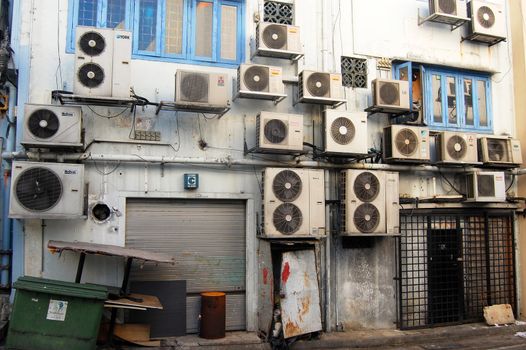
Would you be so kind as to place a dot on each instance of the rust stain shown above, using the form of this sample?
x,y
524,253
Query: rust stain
x,y
306,280
286,273
305,306
265,275
292,329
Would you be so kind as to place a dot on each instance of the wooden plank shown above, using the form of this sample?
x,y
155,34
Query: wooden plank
x,y
499,314
148,301
133,332
112,250
125,307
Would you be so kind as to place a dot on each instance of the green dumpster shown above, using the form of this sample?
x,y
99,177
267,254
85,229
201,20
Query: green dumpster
x,y
56,315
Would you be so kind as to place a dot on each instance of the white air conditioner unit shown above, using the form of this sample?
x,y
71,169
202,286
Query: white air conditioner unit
x,y
260,82
345,132
293,203
457,148
47,190
199,88
278,40
488,21
102,62
370,203
52,126
390,96
405,143
448,11
320,87
500,151
279,132
485,187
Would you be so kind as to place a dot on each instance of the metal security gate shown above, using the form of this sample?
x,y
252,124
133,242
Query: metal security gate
x,y
452,264
207,238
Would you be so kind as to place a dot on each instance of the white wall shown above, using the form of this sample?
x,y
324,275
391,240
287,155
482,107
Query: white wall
x,y
365,28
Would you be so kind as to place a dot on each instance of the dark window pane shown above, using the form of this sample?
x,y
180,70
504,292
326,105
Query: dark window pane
x,y
87,13
147,25
116,14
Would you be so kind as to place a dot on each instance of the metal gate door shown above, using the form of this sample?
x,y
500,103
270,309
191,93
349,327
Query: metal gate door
x,y
207,238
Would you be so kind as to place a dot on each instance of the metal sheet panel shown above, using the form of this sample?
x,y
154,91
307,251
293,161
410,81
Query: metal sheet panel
x,y
235,312
207,238
300,304
265,288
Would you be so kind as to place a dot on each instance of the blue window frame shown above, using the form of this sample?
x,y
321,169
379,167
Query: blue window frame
x,y
450,99
190,31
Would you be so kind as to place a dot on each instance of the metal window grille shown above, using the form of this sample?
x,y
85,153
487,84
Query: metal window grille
x,y
278,12
452,264
354,72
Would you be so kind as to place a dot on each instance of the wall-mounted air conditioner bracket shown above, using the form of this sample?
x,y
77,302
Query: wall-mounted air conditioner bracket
x,y
66,98
454,21
483,39
256,95
192,108
274,151
375,110
292,56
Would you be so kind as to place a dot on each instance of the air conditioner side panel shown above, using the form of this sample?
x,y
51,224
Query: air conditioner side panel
x,y
317,202
122,49
276,85
220,86
516,152
392,194
293,39
336,86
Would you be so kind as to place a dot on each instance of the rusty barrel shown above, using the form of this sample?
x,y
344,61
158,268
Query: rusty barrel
x,y
213,315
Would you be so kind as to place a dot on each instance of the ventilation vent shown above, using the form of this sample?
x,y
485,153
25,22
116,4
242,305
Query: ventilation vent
x,y
256,78
342,131
366,187
38,189
278,12
287,218
319,84
486,17
92,43
275,36
456,147
354,72
498,150
406,142
276,131
91,75
194,87
366,218
287,186
43,123
486,185
389,94
448,6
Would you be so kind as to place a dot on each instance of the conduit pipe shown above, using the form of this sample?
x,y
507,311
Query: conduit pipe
x,y
228,161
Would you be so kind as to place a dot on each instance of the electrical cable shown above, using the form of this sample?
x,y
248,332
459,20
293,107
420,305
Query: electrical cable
x,y
512,183
450,184
110,116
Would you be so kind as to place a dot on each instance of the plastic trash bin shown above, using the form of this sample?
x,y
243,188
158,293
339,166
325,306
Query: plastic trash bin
x,y
50,314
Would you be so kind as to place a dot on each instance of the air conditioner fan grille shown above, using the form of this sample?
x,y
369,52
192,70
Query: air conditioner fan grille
x,y
91,75
366,187
389,93
194,87
38,189
275,36
287,186
43,123
486,17
92,43
456,147
256,78
406,142
366,218
275,131
287,218
448,6
342,131
498,150
319,84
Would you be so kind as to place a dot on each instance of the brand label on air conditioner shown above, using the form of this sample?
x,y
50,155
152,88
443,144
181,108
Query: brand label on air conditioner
x,y
220,80
123,36
67,114
56,310
275,72
293,30
335,77
70,172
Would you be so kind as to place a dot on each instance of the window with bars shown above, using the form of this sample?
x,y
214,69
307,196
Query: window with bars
x,y
453,264
207,31
278,12
354,72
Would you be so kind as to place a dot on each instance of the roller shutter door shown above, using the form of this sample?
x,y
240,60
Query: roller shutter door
x,y
207,238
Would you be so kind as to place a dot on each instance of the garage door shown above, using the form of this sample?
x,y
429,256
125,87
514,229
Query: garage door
x,y
207,238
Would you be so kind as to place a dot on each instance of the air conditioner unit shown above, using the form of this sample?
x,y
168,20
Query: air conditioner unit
x,y
202,88
448,11
102,62
488,21
453,147
52,126
390,96
293,203
500,151
370,203
278,40
485,187
260,82
47,190
406,144
345,132
319,87
279,132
